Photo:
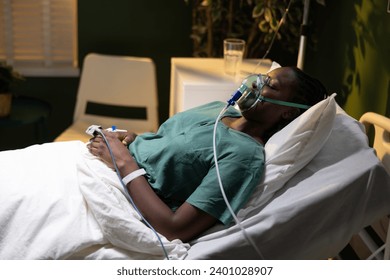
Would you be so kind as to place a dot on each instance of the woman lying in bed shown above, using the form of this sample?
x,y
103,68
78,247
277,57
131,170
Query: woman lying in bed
x,y
179,194
63,200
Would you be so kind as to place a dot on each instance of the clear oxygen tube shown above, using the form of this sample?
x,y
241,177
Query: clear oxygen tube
x,y
245,89
238,223
246,97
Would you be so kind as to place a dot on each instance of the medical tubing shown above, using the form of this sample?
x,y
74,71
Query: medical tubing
x,y
284,103
231,102
274,37
247,237
127,194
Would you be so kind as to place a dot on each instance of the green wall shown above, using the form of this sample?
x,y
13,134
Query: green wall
x,y
351,57
353,54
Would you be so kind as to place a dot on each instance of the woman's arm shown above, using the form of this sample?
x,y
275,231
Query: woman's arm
x,y
184,224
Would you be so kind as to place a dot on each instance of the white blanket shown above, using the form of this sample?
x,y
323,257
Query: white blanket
x,y
57,201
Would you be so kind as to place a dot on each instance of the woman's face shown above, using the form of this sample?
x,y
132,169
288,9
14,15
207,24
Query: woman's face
x,y
281,85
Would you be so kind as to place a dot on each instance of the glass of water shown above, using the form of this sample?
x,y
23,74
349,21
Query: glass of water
x,y
233,51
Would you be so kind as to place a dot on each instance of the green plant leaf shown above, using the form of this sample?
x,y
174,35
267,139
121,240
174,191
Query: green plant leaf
x,y
258,10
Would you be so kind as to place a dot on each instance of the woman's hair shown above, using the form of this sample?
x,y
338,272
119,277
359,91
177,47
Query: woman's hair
x,y
309,90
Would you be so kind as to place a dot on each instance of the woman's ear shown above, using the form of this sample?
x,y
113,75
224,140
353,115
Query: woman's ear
x,y
291,113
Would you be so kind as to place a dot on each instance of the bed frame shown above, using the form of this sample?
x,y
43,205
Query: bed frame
x,y
373,242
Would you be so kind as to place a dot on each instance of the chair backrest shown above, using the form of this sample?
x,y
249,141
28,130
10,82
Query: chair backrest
x,y
118,90
382,135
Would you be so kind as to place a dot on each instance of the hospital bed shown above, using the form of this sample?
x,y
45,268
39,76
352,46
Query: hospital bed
x,y
322,184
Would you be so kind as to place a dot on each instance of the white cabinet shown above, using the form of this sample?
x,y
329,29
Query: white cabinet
x,y
196,81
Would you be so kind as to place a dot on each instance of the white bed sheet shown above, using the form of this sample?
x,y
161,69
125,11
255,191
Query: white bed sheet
x,y
343,189
57,201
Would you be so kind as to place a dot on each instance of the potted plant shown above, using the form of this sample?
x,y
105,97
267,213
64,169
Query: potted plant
x,y
8,78
255,21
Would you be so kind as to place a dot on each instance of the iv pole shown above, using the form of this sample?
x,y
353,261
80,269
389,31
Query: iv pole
x,y
304,33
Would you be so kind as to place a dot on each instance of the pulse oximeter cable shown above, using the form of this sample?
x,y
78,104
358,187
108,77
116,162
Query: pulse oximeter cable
x,y
127,194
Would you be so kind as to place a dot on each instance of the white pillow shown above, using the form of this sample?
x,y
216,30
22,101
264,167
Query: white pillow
x,y
290,149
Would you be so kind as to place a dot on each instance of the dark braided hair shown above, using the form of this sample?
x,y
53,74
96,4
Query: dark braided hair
x,y
309,90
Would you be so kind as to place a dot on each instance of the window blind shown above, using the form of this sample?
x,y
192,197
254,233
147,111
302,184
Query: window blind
x,y
39,37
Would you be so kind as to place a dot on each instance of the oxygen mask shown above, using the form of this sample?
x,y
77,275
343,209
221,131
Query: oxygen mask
x,y
250,93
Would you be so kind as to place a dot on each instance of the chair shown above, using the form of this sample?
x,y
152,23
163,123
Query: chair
x,y
115,90
365,244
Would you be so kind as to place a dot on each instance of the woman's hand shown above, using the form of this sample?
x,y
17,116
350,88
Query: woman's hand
x,y
98,147
126,137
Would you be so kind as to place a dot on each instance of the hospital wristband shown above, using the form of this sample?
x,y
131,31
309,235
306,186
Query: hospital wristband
x,y
130,177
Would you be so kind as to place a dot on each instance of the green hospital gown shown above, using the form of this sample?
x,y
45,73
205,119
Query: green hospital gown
x,y
180,164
